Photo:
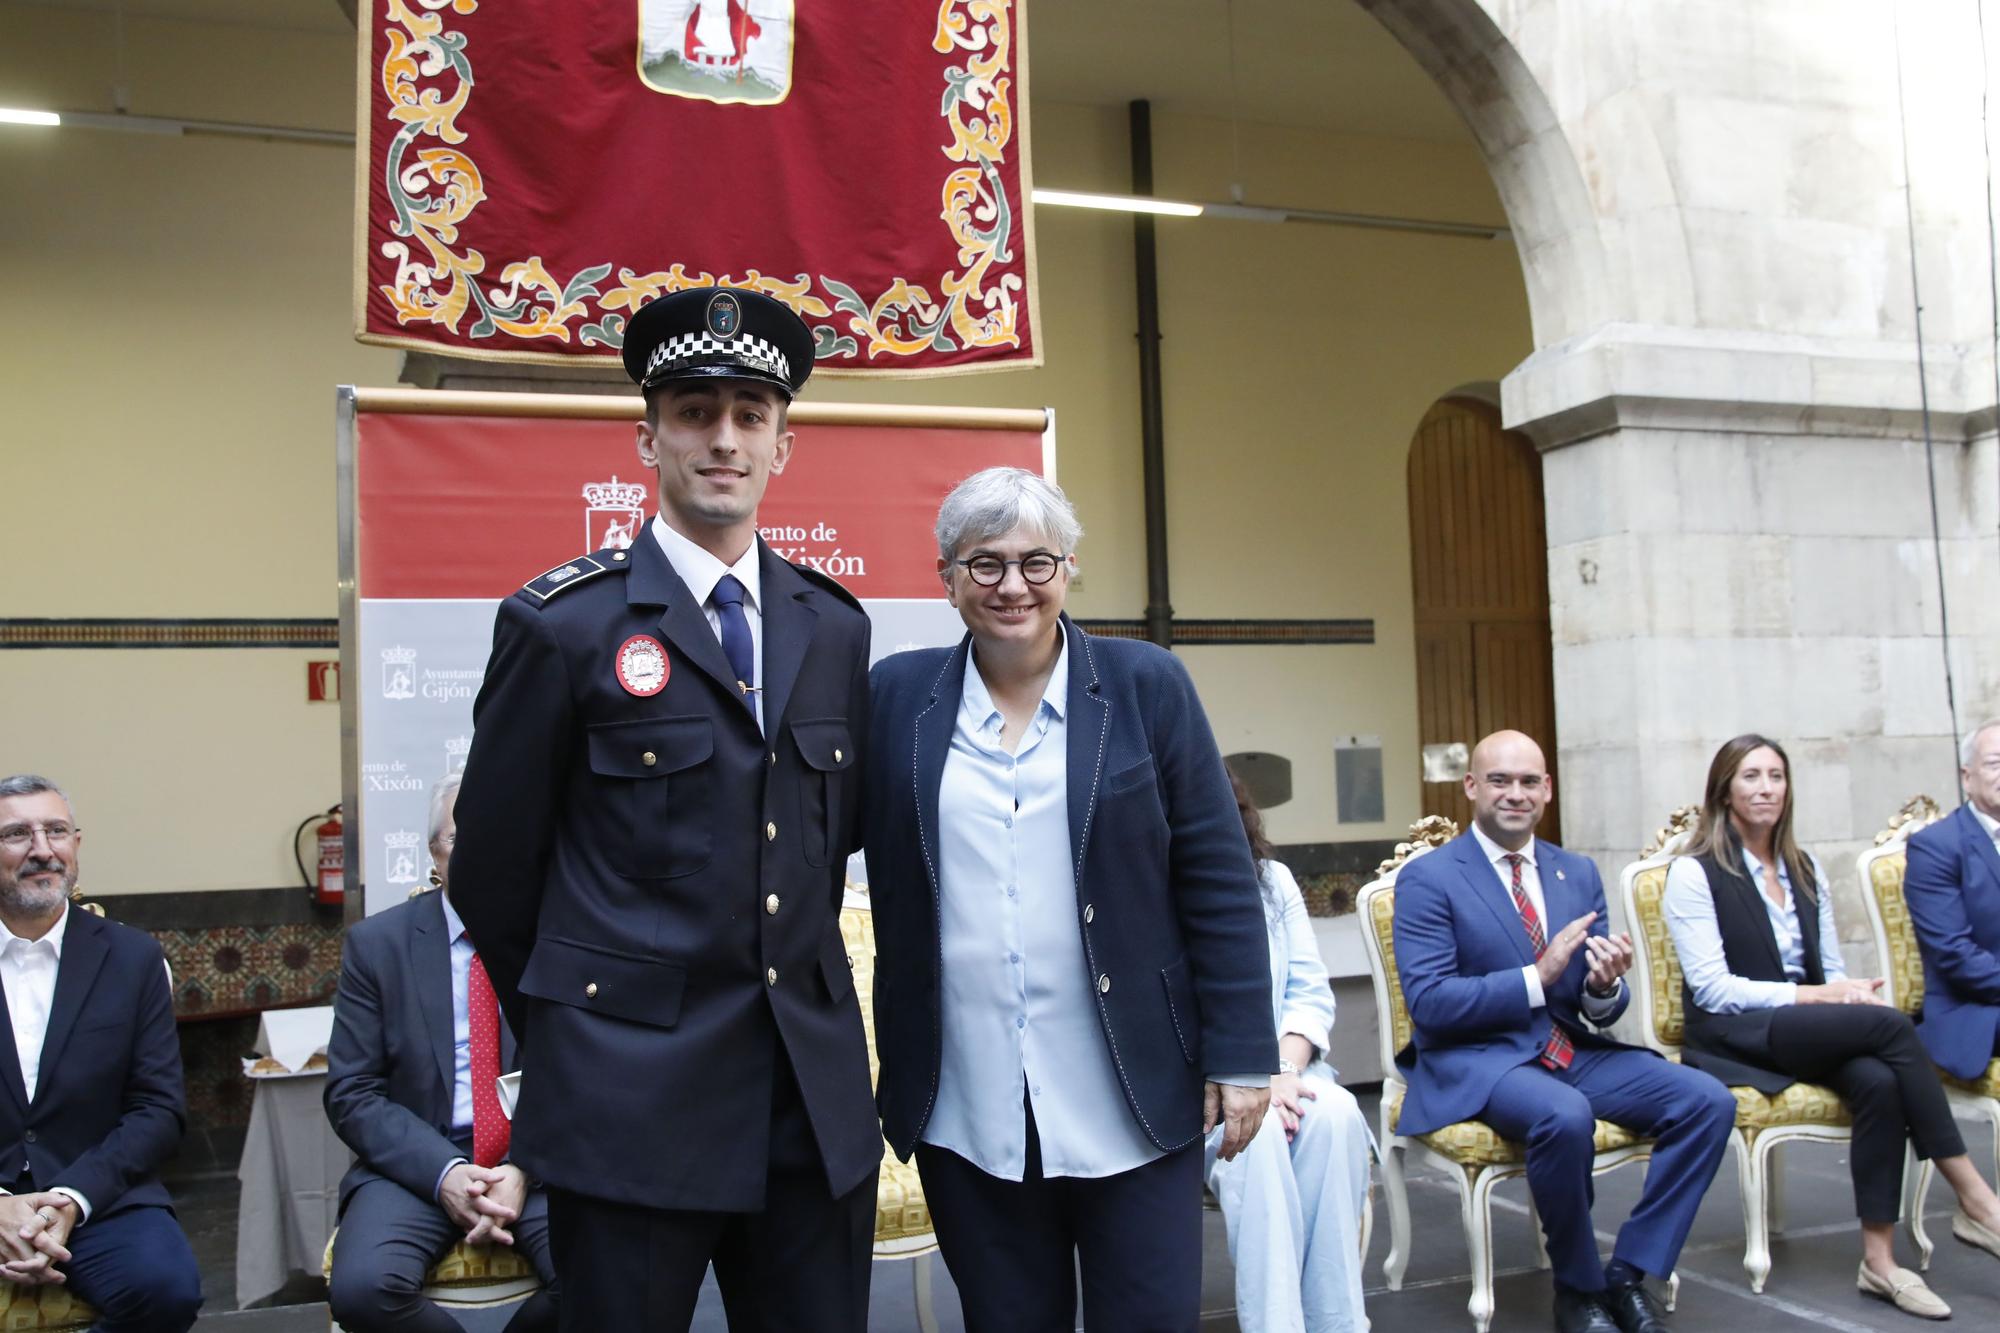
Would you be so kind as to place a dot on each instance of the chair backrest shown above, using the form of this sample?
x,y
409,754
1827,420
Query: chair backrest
x,y
1880,870
1377,906
1643,886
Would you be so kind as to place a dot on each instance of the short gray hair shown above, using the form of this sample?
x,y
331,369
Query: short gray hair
x,y
998,500
31,784
1970,743
442,797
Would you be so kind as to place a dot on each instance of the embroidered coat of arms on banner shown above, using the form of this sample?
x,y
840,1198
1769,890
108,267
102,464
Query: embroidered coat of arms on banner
x,y
529,174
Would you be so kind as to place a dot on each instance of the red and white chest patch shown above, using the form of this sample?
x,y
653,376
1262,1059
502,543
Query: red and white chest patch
x,y
642,666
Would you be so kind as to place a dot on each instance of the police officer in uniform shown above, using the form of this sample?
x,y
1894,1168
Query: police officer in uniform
x,y
656,811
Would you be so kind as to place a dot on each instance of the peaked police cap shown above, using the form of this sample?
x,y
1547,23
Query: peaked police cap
x,y
718,333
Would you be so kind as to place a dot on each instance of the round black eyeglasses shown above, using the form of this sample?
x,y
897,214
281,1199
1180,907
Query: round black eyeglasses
x,y
988,570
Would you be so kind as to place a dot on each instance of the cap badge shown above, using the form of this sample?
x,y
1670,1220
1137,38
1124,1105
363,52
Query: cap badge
x,y
642,666
725,315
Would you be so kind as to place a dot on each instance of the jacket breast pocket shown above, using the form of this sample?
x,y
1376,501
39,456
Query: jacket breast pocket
x,y
638,990
1135,777
827,748
650,775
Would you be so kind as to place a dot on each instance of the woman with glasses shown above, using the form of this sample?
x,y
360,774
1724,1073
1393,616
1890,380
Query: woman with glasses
x,y
1752,919
1072,981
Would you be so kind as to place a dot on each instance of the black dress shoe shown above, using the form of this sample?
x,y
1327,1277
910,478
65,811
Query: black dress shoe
x,y
1635,1309
1582,1312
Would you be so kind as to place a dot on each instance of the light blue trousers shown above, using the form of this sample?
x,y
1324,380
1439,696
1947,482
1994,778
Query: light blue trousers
x,y
1293,1212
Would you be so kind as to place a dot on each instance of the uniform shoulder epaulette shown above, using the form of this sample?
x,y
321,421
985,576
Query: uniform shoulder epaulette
x,y
831,584
570,573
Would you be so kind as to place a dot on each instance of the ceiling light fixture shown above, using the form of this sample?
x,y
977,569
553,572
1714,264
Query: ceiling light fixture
x,y
1133,203
1119,203
10,115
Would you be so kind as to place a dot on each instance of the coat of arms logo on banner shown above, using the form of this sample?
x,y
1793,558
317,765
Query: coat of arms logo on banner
x,y
399,673
400,848
718,50
613,511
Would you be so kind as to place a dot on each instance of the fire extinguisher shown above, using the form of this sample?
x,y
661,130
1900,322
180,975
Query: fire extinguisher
x,y
329,885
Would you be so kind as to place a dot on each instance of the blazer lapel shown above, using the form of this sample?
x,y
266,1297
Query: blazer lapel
x,y
430,971
1981,846
1087,727
789,619
83,953
653,582
10,1057
932,743
1486,889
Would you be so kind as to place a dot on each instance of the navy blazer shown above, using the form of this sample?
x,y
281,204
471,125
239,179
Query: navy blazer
x,y
390,1060
109,1103
1952,886
1460,948
654,883
1167,900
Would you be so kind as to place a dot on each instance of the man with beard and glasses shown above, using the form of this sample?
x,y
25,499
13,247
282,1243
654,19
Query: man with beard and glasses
x,y
92,1072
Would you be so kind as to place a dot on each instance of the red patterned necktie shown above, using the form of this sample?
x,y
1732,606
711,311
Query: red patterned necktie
x,y
1560,1050
490,1129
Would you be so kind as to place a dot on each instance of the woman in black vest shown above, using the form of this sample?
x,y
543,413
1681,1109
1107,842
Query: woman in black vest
x,y
1752,920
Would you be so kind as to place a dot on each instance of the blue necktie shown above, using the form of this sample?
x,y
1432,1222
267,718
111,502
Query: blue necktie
x,y
728,599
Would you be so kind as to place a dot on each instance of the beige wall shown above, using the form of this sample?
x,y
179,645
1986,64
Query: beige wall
x,y
178,314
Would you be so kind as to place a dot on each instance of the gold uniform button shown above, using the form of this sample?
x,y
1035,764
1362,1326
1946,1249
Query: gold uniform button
x,y
1104,984
590,991
1089,914
836,756
771,905
770,976
770,833
649,759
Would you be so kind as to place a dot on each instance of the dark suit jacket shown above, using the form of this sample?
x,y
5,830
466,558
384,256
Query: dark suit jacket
x,y
1167,900
109,1105
655,886
390,1059
1952,886
1460,948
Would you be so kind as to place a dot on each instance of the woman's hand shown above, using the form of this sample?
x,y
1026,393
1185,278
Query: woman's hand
x,y
1290,1094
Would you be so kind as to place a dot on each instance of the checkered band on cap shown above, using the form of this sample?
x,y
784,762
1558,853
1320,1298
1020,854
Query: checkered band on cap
x,y
746,349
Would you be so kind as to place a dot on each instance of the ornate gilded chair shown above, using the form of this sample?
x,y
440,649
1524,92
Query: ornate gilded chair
x,y
1470,1153
902,1219
45,1309
1881,872
1804,1112
469,1277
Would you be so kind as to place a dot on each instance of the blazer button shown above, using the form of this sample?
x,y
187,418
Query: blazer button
x,y
836,756
770,976
1089,914
771,905
1104,984
649,759
773,758
590,991
770,833
29,1136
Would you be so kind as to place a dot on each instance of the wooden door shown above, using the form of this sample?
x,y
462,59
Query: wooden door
x,y
1479,564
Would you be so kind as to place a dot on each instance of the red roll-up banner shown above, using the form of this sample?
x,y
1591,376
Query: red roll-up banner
x,y
530,173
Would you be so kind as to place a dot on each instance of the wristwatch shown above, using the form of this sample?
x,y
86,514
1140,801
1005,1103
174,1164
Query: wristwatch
x,y
1286,1066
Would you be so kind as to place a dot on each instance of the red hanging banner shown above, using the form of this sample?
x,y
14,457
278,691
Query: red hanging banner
x,y
530,173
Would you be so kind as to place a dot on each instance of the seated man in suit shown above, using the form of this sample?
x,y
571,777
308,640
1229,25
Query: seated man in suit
x,y
93,1101
1509,971
1952,886
417,1043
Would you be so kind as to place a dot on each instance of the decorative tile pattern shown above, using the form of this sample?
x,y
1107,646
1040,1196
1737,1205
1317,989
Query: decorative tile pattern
x,y
1333,893
247,969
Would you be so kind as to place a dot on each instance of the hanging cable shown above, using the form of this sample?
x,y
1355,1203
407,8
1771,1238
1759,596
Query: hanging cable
x,y
1924,397
1235,110
1992,241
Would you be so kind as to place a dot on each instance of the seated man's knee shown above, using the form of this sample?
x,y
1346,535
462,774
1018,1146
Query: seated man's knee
x,y
1568,1124
1718,1106
363,1295
159,1295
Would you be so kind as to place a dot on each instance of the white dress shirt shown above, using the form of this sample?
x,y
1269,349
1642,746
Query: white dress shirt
x,y
1595,1007
28,974
701,571
1016,1007
1986,821
1689,905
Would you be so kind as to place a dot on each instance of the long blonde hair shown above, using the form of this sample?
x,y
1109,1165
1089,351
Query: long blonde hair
x,y
1716,835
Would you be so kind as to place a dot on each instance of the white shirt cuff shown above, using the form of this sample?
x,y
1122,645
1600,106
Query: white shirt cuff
x,y
1242,1080
1534,979
437,1190
82,1204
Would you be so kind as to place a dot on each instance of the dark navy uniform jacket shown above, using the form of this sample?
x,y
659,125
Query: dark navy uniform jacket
x,y
654,886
